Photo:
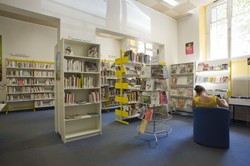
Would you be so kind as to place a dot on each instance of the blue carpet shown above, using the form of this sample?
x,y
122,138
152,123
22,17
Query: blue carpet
x,y
29,138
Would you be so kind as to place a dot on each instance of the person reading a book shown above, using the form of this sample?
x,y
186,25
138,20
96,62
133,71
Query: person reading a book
x,y
203,100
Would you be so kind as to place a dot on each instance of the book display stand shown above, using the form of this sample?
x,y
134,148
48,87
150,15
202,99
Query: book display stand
x,y
154,100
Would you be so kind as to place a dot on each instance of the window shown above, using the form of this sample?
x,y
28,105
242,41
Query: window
x,y
229,29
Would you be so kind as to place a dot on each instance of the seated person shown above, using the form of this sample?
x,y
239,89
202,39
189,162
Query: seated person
x,y
203,100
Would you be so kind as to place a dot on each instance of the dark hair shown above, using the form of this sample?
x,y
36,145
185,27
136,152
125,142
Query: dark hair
x,y
198,89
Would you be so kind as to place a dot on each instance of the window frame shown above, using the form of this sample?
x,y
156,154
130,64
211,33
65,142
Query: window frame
x,y
229,21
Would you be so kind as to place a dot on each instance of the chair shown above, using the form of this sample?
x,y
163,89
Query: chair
x,y
211,126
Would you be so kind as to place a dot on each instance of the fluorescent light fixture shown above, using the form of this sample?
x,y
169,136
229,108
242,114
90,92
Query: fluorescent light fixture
x,y
172,2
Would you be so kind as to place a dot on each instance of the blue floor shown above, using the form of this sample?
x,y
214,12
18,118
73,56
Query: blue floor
x,y
29,138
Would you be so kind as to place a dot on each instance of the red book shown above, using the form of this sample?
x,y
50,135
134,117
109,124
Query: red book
x,y
149,114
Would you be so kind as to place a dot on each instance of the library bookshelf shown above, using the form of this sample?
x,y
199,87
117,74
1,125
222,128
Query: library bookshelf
x,y
78,103
30,84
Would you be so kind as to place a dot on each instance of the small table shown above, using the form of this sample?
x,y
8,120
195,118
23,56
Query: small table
x,y
234,102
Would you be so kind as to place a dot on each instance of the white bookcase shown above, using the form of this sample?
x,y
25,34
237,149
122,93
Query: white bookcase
x,y
78,106
181,87
30,84
215,77
108,80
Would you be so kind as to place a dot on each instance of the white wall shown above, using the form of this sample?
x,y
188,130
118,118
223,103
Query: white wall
x,y
80,18
35,41
188,31
110,48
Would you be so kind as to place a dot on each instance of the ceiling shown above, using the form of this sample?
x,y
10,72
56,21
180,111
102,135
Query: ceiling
x,y
179,8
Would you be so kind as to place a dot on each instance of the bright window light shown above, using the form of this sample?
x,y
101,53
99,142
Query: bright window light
x,y
172,2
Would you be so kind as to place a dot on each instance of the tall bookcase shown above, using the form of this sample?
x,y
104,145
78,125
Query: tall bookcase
x,y
30,84
108,80
78,106
181,87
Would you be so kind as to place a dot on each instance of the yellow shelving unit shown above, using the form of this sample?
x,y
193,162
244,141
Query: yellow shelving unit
x,y
121,86
128,100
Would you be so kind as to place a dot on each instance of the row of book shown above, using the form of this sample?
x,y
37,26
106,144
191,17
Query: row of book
x,y
20,97
42,82
20,73
108,73
131,109
137,57
154,98
44,96
29,65
212,79
154,85
181,102
153,113
182,68
79,82
42,103
94,97
208,67
105,81
181,91
43,73
15,81
72,65
181,80
132,96
108,66
21,81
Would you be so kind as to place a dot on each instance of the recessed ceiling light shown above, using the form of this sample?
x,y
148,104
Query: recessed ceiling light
x,y
172,2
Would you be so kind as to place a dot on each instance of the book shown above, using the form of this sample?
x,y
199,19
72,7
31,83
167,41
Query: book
x,y
188,103
205,66
149,114
155,60
189,92
145,72
189,68
143,126
182,68
181,103
155,98
190,80
161,84
173,80
149,85
163,98
174,102
224,66
90,66
200,67
174,69
157,71
130,70
182,80
181,92
173,91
